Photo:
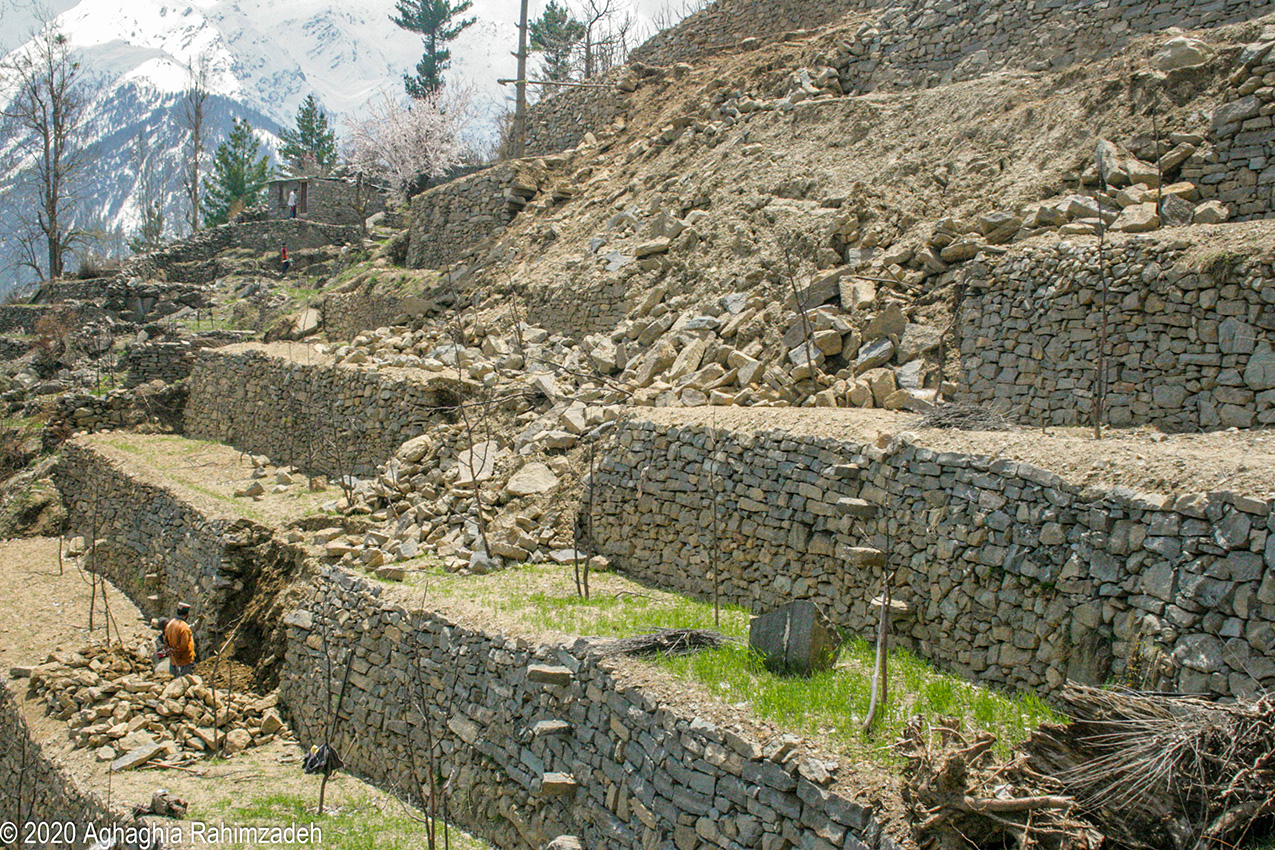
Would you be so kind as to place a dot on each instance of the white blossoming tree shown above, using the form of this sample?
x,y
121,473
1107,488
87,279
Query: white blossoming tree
x,y
399,142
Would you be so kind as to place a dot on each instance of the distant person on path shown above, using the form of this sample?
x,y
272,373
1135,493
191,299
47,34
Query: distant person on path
x,y
292,204
283,259
180,642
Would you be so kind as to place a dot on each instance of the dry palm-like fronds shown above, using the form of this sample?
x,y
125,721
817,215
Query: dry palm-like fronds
x,y
667,642
1139,771
1162,772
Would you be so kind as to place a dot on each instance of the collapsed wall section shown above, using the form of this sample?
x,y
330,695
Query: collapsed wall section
x,y
318,416
160,546
447,220
574,747
1189,331
1010,574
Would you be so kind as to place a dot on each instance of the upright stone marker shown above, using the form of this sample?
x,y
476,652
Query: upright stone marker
x,y
796,638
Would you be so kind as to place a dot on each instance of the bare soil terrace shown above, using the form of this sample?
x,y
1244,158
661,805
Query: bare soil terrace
x,y
1140,458
44,609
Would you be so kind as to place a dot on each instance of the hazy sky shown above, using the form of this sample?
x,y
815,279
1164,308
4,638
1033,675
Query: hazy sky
x,y
19,17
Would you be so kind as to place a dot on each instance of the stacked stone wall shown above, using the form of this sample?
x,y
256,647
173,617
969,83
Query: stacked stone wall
x,y
1012,575
641,771
21,318
560,309
155,407
1238,168
152,544
169,362
71,290
193,260
1189,332
724,24
560,121
336,420
449,220
918,43
34,790
347,314
328,200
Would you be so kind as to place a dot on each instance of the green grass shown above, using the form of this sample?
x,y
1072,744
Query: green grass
x,y
358,824
829,706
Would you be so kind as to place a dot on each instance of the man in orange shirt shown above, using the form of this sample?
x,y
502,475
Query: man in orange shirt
x,y
180,642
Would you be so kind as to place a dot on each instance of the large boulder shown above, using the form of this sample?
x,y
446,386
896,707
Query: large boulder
x,y
796,638
532,480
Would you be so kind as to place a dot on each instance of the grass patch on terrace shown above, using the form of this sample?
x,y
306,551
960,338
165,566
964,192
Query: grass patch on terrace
x,y
828,706
360,823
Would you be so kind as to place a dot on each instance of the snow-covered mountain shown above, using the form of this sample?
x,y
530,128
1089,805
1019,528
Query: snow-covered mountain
x,y
264,57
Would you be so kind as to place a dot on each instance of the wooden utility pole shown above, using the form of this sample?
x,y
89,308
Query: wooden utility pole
x,y
520,109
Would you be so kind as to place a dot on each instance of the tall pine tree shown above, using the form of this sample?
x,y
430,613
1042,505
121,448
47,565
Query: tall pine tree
x,y
238,177
311,147
433,20
555,34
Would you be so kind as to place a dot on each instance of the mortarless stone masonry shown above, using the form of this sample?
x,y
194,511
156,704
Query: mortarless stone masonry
x,y
1190,331
1012,575
337,420
599,756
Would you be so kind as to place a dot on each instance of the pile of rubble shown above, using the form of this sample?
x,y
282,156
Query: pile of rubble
x,y
114,703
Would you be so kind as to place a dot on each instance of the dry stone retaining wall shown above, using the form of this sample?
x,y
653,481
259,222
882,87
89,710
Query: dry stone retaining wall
x,y
448,220
561,120
33,789
571,749
152,545
1189,336
1239,167
336,420
194,260
921,43
1012,575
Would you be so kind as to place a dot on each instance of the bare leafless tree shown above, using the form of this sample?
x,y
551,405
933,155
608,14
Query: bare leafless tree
x,y
193,118
45,117
607,30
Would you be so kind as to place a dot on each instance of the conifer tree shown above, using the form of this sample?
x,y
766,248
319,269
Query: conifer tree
x,y
433,20
311,147
555,34
238,177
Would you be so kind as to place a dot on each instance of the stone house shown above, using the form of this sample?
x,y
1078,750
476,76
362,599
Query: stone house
x,y
325,200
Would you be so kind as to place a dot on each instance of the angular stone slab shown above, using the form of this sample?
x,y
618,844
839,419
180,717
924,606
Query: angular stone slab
x,y
857,508
141,755
862,556
796,638
558,785
548,675
550,727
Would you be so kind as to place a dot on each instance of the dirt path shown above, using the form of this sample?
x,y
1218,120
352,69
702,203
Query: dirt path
x,y
42,610
1141,458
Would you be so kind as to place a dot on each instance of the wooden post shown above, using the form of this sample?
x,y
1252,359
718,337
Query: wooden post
x,y
520,107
